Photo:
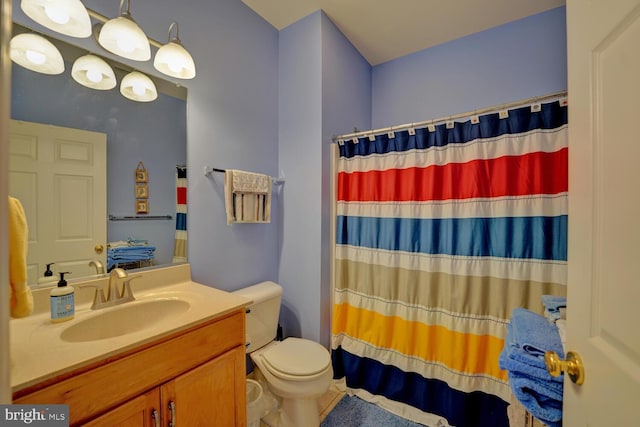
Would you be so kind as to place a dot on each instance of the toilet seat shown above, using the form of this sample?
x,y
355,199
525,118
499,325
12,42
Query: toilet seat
x,y
297,359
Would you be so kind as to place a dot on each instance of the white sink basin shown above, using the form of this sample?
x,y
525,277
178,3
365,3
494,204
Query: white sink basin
x,y
124,319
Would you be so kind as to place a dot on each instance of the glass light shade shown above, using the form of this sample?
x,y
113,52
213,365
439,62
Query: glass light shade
x,y
36,53
68,17
174,60
138,87
125,38
93,72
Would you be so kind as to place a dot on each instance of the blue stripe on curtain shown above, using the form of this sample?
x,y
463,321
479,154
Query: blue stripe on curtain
x,y
519,237
520,120
430,395
181,221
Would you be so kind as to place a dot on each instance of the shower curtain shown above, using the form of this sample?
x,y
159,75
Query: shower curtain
x,y
180,244
441,233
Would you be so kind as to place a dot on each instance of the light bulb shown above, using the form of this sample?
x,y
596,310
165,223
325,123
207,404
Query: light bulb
x,y
94,75
35,57
125,45
57,14
138,88
175,66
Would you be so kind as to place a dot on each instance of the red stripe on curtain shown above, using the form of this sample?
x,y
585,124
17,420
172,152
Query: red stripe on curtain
x,y
532,173
181,195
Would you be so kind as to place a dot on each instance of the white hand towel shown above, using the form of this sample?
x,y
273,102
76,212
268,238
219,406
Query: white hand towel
x,y
247,196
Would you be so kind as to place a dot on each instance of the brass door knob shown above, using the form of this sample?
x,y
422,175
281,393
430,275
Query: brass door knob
x,y
98,249
573,366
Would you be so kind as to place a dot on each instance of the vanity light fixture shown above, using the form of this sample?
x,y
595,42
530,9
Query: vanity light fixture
x,y
138,87
124,37
93,72
36,53
68,17
173,59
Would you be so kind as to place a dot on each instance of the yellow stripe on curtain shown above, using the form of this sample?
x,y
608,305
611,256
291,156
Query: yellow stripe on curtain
x,y
469,353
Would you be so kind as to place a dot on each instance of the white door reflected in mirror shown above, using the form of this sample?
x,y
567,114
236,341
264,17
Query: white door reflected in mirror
x,y
59,176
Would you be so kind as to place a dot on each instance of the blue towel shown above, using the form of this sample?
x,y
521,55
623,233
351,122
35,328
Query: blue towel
x,y
512,358
534,334
124,254
529,336
552,305
541,401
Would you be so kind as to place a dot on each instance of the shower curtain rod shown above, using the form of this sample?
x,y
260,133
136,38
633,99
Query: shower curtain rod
x,y
406,126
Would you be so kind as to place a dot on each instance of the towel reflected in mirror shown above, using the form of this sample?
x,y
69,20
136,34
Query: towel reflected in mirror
x,y
21,298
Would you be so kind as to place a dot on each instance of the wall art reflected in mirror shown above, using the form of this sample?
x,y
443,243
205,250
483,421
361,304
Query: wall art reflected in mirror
x,y
73,158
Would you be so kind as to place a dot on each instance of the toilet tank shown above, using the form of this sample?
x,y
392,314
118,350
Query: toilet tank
x,y
262,314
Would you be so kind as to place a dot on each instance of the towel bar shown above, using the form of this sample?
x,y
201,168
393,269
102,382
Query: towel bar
x,y
208,170
137,217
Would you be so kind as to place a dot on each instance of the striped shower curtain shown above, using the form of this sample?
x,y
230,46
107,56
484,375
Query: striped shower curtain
x,y
441,233
180,244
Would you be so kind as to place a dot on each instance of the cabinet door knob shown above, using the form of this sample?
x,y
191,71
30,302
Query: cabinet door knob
x,y
156,418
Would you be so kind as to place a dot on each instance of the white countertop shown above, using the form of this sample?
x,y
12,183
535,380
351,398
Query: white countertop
x,y
39,353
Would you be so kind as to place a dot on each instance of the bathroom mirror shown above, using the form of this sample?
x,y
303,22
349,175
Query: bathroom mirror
x,y
153,133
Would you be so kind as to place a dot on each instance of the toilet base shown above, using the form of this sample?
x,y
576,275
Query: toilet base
x,y
294,414
299,412
292,411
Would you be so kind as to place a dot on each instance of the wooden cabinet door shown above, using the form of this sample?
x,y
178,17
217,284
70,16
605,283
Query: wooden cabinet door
x,y
212,394
142,411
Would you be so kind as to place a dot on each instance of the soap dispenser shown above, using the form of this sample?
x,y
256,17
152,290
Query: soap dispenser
x,y
62,301
47,276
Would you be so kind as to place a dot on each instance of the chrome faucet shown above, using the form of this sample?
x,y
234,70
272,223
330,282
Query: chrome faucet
x,y
99,266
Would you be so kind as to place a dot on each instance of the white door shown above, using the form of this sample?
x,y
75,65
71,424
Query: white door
x,y
603,312
59,176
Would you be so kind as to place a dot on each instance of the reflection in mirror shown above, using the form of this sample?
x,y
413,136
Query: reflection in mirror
x,y
153,133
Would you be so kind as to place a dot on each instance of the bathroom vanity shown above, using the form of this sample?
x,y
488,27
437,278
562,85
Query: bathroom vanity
x,y
187,368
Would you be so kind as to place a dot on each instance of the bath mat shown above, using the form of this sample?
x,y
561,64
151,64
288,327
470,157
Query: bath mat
x,y
351,411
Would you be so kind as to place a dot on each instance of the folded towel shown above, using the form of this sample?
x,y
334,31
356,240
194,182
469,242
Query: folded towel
x,y
21,299
124,254
554,307
541,401
553,303
247,196
534,334
513,358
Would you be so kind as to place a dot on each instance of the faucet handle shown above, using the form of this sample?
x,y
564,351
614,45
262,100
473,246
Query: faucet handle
x,y
98,296
126,288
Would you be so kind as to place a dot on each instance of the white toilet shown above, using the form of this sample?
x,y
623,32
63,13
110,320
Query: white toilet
x,y
296,370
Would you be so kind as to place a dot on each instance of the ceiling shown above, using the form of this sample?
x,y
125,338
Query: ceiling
x,y
383,30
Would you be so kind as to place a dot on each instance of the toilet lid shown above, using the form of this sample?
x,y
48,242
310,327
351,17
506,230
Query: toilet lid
x,y
297,357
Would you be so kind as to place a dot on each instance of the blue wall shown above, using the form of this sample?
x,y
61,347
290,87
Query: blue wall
x,y
346,103
518,60
233,123
325,88
299,157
